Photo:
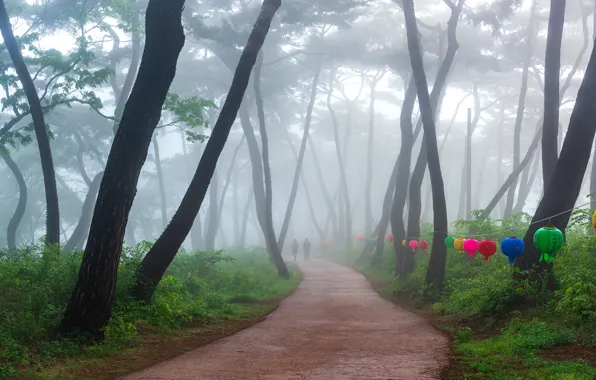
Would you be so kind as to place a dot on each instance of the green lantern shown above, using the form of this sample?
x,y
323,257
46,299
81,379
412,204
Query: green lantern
x,y
548,240
449,242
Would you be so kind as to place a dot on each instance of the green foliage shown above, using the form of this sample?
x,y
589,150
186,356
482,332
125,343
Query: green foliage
x,y
199,287
189,113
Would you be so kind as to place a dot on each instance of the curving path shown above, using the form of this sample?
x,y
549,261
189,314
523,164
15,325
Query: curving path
x,y
334,326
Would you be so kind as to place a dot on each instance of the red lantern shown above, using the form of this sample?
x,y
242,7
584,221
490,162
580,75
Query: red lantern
x,y
487,248
424,245
390,238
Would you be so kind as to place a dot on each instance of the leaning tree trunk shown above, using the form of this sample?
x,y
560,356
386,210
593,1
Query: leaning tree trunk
x,y
415,196
436,266
160,181
249,200
13,224
165,248
90,306
222,197
301,153
77,239
552,72
368,222
520,108
43,141
400,193
328,201
560,197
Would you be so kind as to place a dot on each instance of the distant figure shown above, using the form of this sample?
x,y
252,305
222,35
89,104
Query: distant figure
x,y
306,249
295,248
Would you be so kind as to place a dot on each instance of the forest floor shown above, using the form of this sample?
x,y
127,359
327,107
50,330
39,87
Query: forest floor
x,y
334,325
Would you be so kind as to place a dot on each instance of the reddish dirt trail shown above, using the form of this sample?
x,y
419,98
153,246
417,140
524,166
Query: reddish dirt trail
x,y
334,326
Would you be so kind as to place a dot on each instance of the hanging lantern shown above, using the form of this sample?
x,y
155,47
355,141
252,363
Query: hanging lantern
x,y
404,242
458,244
358,238
449,241
471,247
423,245
413,244
594,220
487,248
548,240
512,247
390,238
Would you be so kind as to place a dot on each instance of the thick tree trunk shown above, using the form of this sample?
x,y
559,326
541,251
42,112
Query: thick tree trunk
x,y
552,72
301,153
399,190
560,197
90,307
212,218
165,248
521,108
436,267
15,220
43,141
160,181
81,231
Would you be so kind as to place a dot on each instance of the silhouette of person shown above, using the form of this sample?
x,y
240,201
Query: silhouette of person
x,y
306,247
295,248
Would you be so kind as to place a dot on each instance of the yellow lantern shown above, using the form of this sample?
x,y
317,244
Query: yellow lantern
x,y
404,242
458,244
594,220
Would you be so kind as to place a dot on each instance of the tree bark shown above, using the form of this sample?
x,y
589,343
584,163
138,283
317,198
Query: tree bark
x,y
160,181
43,141
560,197
19,212
165,248
368,222
301,153
436,267
521,108
90,306
552,72
77,239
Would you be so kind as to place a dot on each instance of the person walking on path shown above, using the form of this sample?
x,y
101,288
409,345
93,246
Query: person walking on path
x,y
306,247
295,248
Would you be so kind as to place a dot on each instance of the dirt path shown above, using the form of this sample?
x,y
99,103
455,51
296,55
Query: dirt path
x,y
334,326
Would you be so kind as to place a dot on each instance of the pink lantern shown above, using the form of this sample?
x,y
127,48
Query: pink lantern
x,y
413,244
471,247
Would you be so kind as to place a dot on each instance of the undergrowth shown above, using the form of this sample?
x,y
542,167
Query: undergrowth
x,y
198,288
500,327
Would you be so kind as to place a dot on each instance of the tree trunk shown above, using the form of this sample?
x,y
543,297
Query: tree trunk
x,y
13,224
399,190
90,307
415,201
368,223
160,181
560,196
521,107
344,207
235,208
301,153
326,196
552,72
222,197
165,248
81,231
196,234
43,141
212,219
249,200
436,267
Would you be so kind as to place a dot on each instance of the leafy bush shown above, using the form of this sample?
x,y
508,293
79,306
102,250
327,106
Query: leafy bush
x,y
198,287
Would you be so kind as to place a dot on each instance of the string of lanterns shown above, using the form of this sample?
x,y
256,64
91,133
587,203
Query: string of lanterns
x,y
548,240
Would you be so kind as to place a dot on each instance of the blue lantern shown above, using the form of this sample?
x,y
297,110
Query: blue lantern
x,y
512,247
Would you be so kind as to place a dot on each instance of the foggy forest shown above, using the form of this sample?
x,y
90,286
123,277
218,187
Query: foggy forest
x,y
347,189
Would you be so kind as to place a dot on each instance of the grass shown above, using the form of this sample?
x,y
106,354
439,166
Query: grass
x,y
500,330
204,296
